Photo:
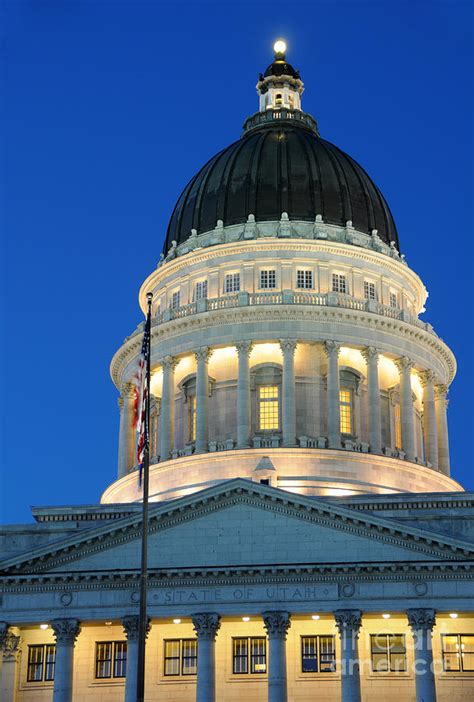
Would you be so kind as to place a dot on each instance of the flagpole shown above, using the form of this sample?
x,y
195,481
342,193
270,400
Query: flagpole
x,y
143,619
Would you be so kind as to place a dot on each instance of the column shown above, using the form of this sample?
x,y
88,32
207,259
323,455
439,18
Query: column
x,y
277,625
131,629
202,399
404,366
333,394
430,430
288,405
348,622
243,394
126,402
65,632
371,356
10,642
422,622
206,627
167,408
441,406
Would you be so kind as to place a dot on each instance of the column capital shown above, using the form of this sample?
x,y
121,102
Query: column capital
x,y
127,391
441,391
203,354
10,644
370,353
427,378
169,363
3,633
66,630
332,348
206,625
348,620
424,619
276,623
120,403
288,346
131,627
403,364
244,347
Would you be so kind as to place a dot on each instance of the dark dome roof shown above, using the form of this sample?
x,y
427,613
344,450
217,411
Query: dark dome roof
x,y
280,67
275,169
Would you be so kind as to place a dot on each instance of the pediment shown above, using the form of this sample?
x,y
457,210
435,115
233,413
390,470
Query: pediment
x,y
238,524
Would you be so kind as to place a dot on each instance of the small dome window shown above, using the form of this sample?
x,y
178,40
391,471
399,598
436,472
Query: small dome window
x,y
278,100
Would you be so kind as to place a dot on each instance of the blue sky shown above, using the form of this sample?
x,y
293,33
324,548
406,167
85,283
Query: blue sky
x,y
112,106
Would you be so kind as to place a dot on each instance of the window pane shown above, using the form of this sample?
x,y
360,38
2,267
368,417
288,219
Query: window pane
x,y
450,644
451,661
467,652
268,279
189,652
172,649
309,648
379,662
345,396
35,663
240,656
232,282
120,659
258,662
50,661
327,654
103,660
268,407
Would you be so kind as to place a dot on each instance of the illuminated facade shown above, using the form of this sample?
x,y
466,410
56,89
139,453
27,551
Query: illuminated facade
x,y
303,514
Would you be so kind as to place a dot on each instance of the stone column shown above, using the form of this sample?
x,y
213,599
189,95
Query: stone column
x,y
202,399
243,394
167,408
65,632
404,366
277,625
288,348
430,430
131,629
10,651
333,394
126,402
371,356
422,622
441,406
348,622
206,626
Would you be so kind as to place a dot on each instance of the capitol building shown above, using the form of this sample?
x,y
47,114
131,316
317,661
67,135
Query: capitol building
x,y
306,538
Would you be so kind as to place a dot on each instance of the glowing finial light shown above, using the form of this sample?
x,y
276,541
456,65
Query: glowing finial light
x,y
279,47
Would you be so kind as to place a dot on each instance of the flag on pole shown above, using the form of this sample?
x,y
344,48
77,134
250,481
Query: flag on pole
x,y
141,397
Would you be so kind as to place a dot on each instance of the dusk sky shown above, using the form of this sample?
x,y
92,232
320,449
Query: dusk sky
x,y
111,107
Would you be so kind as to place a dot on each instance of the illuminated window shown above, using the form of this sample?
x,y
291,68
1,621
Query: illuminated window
x,y
398,426
318,654
458,653
369,290
393,300
268,408
278,100
175,300
249,655
232,283
268,279
192,417
304,280
153,432
339,283
41,662
180,656
345,403
200,291
110,659
388,653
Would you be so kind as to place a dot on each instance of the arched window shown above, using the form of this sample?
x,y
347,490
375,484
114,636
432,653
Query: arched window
x,y
188,388
266,381
349,386
397,424
192,418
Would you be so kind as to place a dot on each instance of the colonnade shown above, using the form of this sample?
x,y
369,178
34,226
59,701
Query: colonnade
x,y
206,625
435,427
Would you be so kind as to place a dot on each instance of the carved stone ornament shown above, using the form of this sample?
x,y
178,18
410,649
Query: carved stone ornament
x,y
203,354
441,391
244,348
421,619
65,631
288,346
348,620
426,377
3,633
332,348
169,363
370,353
206,625
131,627
276,623
404,364
10,645
128,391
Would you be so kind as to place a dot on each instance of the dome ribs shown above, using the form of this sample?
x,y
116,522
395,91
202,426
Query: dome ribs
x,y
302,181
284,171
316,177
230,206
361,203
251,202
346,204
202,192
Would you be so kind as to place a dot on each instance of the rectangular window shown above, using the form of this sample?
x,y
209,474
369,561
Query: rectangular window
x,y
268,408
388,653
175,300
249,655
232,283
339,283
180,657
110,659
41,662
393,300
200,291
267,279
192,417
304,280
369,290
397,420
458,653
345,404
318,654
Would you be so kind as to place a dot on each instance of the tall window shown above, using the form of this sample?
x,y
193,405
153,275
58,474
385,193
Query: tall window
x,y
393,300
41,663
346,413
397,420
175,300
249,655
192,418
232,283
318,654
200,291
180,656
153,432
304,280
388,653
268,408
268,279
369,290
339,283
458,653
110,659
